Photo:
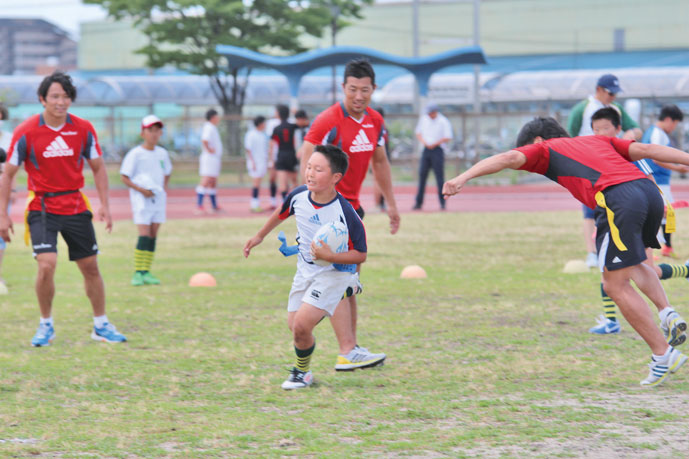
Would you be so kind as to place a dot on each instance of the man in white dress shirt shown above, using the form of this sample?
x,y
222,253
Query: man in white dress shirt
x,y
433,131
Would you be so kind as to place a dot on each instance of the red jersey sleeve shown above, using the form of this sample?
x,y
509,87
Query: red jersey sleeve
x,y
320,128
537,158
622,146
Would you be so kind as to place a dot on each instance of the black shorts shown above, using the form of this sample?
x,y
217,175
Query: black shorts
x,y
77,231
360,212
287,161
637,209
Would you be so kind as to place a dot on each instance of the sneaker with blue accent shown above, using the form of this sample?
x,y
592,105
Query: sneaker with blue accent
x,y
674,327
108,334
605,327
661,370
44,336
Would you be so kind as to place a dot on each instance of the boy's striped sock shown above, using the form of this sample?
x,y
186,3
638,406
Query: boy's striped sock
x,y
670,271
608,305
140,254
304,358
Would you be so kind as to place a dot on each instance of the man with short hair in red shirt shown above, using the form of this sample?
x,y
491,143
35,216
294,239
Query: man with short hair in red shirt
x,y
597,170
358,130
52,147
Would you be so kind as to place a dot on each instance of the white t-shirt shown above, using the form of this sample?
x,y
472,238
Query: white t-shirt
x,y
257,142
592,107
432,130
147,169
210,134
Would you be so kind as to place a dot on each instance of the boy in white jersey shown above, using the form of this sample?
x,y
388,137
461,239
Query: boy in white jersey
x,y
257,146
316,290
146,171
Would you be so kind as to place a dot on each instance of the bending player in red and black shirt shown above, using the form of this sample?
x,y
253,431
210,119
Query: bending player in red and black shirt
x,y
598,172
358,130
52,147
286,164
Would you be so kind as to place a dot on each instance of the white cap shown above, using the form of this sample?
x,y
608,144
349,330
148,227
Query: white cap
x,y
150,120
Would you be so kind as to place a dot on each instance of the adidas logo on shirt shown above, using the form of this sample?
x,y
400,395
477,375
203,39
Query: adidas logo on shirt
x,y
315,219
58,147
361,143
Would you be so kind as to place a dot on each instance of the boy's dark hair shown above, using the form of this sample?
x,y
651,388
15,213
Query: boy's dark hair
x,y
57,77
283,112
4,113
546,128
359,68
607,113
338,159
211,113
260,119
671,111
301,114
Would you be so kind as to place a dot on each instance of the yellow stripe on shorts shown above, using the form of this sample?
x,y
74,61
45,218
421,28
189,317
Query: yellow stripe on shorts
x,y
614,230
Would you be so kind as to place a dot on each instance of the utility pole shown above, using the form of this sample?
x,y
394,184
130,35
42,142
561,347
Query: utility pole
x,y
335,11
477,82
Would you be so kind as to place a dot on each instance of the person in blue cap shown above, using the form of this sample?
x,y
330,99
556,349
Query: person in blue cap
x,y
579,123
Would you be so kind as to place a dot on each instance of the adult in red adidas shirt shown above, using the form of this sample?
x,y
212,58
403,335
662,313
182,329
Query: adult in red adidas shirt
x,y
628,207
358,130
52,147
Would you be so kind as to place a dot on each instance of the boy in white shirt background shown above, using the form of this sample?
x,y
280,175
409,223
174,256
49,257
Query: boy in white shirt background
x,y
146,171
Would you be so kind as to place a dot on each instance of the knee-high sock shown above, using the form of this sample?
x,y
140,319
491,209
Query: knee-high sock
x,y
148,254
670,271
140,254
303,362
608,305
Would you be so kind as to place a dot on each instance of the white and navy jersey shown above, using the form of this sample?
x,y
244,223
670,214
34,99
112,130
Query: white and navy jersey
x,y
311,215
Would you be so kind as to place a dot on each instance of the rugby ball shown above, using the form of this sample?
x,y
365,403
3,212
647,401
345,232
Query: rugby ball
x,y
334,234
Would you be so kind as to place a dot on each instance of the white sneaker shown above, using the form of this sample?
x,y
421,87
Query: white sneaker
x,y
359,357
298,380
661,370
673,328
354,287
592,260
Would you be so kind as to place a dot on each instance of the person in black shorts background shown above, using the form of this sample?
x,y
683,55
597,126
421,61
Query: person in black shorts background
x,y
283,138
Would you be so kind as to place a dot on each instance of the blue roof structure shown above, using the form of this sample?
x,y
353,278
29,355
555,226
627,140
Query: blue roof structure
x,y
295,67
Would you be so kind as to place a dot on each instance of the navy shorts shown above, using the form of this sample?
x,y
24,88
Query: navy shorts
x,y
77,231
637,209
287,161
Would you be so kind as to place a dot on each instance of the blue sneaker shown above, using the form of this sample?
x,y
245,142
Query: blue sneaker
x,y
108,334
44,336
605,327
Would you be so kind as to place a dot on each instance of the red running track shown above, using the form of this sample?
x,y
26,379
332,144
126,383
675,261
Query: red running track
x,y
235,201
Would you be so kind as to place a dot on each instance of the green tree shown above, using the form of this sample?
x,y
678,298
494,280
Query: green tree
x,y
184,34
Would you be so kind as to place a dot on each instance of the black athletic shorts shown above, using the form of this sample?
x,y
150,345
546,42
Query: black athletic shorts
x,y
360,212
77,231
636,209
287,161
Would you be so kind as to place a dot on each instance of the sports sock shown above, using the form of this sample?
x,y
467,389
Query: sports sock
x,y
284,195
140,253
608,305
304,357
664,357
273,189
254,192
100,321
148,253
211,195
200,193
667,237
48,321
662,314
671,271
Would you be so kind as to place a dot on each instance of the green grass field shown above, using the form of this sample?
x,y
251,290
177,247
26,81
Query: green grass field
x,y
488,357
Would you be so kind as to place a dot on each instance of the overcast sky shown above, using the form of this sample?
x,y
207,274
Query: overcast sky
x,y
65,13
